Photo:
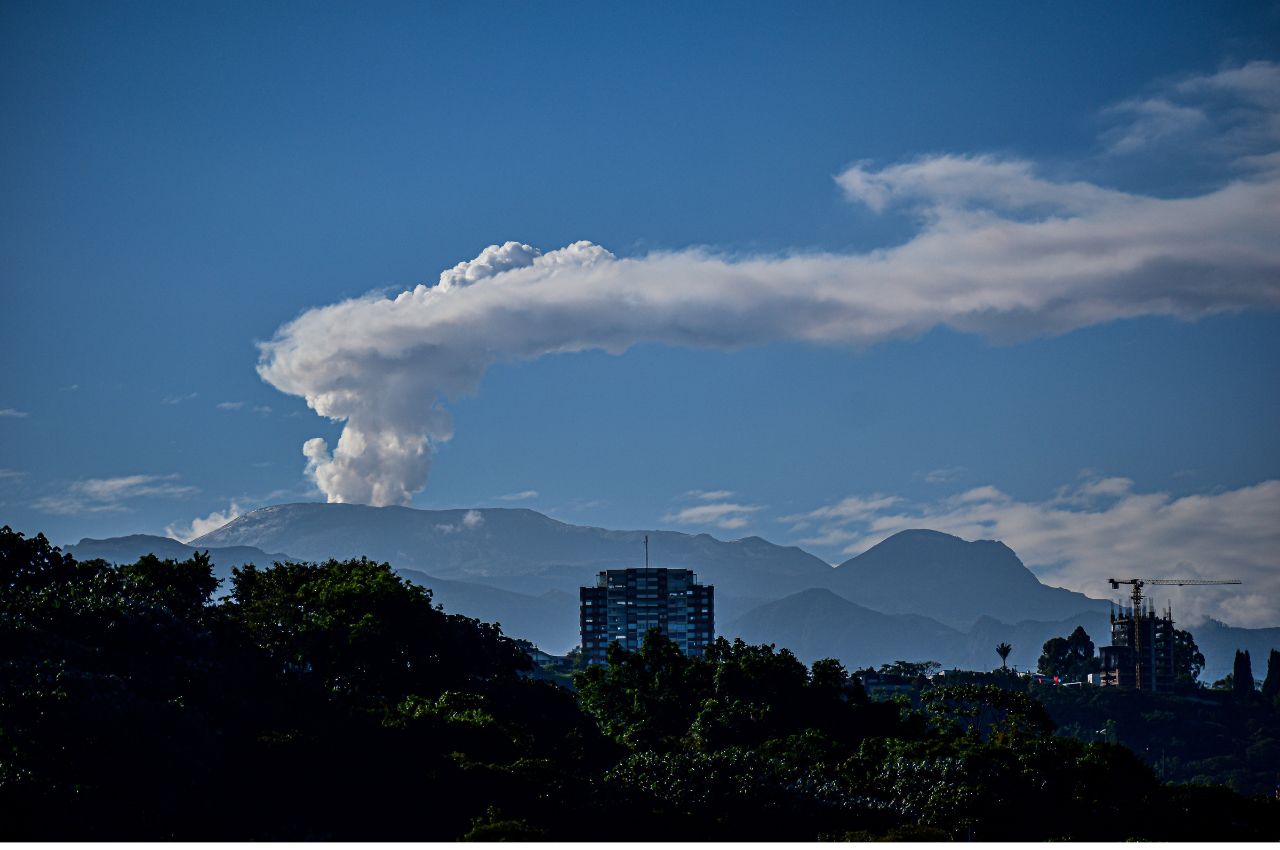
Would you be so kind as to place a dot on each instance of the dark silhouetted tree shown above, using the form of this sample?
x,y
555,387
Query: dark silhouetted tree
x,y
1003,650
1070,657
1271,685
1242,676
357,630
1188,661
910,669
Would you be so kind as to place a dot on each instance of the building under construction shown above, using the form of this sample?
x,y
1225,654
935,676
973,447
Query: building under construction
x,y
1142,642
1141,651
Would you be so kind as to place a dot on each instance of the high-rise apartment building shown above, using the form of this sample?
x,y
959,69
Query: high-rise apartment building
x,y
624,604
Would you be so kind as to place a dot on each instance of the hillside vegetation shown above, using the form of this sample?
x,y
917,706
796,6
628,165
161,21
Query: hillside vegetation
x,y
336,701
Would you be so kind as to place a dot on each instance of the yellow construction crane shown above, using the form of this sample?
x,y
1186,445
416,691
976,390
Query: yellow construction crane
x,y
1138,584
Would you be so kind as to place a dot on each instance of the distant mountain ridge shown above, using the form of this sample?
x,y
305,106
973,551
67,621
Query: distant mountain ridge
x,y
552,618
818,623
954,581
918,594
513,548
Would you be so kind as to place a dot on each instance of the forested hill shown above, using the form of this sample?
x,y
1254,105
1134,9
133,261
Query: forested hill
x,y
338,702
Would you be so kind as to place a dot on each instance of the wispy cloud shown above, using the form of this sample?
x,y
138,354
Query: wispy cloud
x,y
1097,528
1235,110
101,495
230,405
578,506
847,509
522,496
727,515
11,413
943,474
1150,120
11,473
201,526
710,495
178,399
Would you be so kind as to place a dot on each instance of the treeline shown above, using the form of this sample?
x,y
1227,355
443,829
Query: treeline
x,y
336,701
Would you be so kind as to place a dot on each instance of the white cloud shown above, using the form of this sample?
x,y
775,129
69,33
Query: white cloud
x,y
178,399
263,409
1256,83
1101,528
727,515
1149,121
11,473
470,520
853,507
969,182
710,495
201,526
522,496
10,413
943,474
1235,110
103,495
1001,251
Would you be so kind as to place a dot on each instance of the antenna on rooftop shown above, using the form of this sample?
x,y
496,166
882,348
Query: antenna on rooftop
x,y
646,551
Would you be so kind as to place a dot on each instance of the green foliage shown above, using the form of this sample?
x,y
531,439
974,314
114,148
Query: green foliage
x,y
988,712
1188,661
494,827
1208,738
356,629
335,702
107,678
645,699
1070,658
738,694
910,669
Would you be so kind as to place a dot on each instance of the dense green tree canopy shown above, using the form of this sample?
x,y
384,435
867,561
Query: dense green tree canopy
x,y
1070,658
1188,661
336,701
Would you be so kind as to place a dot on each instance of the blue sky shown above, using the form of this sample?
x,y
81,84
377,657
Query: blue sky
x,y
180,181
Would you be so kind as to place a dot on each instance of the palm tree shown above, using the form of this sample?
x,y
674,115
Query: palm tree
x,y
1003,650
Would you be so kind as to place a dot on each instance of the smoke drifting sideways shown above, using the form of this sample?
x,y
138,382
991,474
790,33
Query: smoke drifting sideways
x,y
999,251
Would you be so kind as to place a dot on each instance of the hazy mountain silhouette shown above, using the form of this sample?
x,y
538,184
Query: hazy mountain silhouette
x,y
820,624
817,623
917,595
516,549
549,620
953,581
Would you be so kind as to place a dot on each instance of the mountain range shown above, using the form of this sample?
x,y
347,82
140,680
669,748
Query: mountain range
x,y
918,594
